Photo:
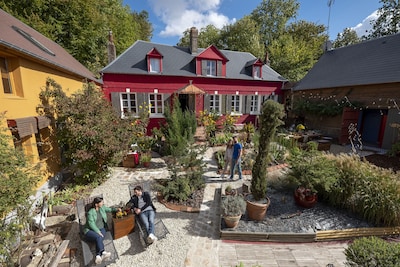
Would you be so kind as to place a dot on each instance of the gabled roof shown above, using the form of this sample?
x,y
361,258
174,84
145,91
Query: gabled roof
x,y
371,62
22,39
178,61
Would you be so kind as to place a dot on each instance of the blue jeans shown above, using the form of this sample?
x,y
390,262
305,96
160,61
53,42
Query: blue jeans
x,y
233,167
147,217
92,236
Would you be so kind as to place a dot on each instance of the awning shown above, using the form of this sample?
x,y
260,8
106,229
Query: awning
x,y
29,125
190,89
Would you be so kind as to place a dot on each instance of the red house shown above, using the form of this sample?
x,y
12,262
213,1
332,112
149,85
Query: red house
x,y
227,82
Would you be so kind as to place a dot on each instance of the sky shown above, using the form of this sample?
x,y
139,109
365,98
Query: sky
x,y
170,18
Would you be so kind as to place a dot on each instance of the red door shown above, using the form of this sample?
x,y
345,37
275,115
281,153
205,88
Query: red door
x,y
349,119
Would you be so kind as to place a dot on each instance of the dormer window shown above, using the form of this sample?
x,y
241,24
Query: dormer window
x,y
154,61
257,72
211,67
155,65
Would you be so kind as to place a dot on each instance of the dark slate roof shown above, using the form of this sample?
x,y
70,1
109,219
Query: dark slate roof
x,y
178,61
17,36
371,62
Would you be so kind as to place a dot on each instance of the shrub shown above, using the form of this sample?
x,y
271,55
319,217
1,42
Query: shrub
x,y
372,252
17,182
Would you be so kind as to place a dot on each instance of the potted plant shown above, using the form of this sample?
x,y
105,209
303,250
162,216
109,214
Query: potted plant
x,y
229,190
232,208
311,172
145,159
257,201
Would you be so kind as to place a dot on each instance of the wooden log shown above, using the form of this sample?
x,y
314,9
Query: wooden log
x,y
59,254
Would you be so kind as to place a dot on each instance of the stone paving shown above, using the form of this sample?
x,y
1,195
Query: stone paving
x,y
208,250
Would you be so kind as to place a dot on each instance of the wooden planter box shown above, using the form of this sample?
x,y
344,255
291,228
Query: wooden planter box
x,y
130,160
123,226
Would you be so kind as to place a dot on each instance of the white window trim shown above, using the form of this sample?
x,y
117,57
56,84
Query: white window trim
x,y
258,105
255,67
213,103
123,116
215,68
240,105
156,115
156,61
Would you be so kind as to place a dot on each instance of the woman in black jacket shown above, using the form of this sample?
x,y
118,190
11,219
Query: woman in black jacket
x,y
144,208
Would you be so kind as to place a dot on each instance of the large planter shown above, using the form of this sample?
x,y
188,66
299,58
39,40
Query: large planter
x,y
232,221
304,198
256,211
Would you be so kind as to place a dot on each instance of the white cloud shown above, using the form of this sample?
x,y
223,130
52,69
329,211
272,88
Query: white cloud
x,y
365,26
179,15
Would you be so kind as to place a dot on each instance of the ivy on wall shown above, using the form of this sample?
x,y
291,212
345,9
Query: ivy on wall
x,y
329,108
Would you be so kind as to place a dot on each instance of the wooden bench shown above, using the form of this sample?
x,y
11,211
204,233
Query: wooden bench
x,y
160,230
89,248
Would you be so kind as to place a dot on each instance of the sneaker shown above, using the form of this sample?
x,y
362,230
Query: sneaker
x,y
153,237
149,240
98,259
231,177
105,255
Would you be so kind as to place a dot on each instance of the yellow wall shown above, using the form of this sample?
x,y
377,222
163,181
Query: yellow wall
x,y
27,79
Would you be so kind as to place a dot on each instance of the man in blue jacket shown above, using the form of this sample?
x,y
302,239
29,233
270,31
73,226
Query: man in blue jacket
x,y
144,208
236,158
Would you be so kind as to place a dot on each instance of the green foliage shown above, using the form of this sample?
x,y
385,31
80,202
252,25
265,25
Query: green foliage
x,y
372,252
388,22
17,182
82,28
347,37
233,205
325,108
69,194
310,169
270,120
92,136
394,149
178,130
220,157
220,139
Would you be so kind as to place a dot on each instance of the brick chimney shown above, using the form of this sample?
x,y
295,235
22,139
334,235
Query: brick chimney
x,y
194,33
111,48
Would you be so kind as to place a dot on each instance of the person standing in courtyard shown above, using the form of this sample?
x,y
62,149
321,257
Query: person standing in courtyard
x,y
236,158
144,208
95,227
227,158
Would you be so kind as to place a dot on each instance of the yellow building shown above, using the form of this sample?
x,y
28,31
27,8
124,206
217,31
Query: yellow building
x,y
27,60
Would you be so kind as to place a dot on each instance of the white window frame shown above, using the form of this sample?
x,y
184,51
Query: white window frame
x,y
211,68
255,104
155,100
215,103
236,105
155,65
257,72
130,104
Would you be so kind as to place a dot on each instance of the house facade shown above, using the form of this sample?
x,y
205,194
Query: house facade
x,y
204,79
27,60
364,79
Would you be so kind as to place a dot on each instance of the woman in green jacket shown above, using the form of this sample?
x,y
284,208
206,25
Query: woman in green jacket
x,y
95,227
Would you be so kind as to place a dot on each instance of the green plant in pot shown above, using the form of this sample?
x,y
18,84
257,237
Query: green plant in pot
x,y
232,208
270,119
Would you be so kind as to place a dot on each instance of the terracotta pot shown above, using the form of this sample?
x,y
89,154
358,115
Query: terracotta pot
x,y
257,211
232,221
305,200
146,164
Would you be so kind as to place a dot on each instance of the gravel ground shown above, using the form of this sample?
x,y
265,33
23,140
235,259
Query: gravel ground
x,y
169,251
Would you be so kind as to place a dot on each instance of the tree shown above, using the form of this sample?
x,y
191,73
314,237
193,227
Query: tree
x,y
272,17
243,36
81,26
17,182
388,22
89,131
270,119
296,50
347,37
209,35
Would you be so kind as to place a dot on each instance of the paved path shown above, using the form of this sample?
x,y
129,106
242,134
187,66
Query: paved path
x,y
208,250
